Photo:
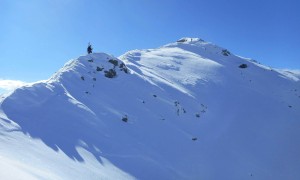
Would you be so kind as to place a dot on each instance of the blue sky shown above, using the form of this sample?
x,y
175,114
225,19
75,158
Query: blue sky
x,y
38,36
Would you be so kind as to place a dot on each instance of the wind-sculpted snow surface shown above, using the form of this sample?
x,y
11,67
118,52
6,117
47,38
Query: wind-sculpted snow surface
x,y
185,110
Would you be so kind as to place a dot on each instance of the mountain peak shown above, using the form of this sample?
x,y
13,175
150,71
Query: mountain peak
x,y
189,39
199,46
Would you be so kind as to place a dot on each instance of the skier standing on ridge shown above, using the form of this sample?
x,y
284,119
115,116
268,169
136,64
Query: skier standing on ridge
x,y
89,49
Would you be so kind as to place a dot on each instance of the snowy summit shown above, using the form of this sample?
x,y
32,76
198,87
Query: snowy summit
x,y
186,110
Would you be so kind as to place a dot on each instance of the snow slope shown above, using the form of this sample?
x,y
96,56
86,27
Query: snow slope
x,y
182,111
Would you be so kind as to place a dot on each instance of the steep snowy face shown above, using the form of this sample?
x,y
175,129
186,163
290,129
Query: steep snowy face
x,y
173,66
60,96
59,124
186,110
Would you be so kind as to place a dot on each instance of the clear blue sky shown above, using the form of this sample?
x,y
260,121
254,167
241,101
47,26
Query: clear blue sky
x,y
38,36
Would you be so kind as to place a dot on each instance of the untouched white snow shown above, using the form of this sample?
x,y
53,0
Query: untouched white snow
x,y
191,113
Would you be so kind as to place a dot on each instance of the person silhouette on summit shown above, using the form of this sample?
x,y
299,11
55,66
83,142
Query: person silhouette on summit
x,y
89,49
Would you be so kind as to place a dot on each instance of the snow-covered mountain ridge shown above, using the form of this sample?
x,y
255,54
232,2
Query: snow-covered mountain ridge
x,y
186,110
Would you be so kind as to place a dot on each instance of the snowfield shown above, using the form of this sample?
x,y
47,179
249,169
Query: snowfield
x,y
186,110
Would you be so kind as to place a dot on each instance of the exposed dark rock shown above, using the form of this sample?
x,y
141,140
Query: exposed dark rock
x,y
114,62
123,67
111,73
225,52
125,118
243,66
99,68
182,40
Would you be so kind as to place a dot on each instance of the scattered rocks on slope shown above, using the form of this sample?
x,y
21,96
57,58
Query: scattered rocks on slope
x,y
179,108
111,73
110,68
202,110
